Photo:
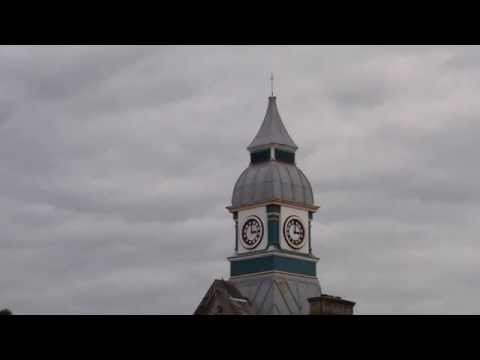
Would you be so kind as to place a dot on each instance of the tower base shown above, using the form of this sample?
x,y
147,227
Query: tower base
x,y
278,293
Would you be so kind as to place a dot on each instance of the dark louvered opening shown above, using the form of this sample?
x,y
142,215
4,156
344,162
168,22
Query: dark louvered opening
x,y
260,156
285,156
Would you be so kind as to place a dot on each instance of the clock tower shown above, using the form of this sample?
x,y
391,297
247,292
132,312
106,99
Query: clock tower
x,y
272,207
272,269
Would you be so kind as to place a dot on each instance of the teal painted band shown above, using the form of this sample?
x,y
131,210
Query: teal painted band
x,y
285,156
271,263
273,232
273,209
260,156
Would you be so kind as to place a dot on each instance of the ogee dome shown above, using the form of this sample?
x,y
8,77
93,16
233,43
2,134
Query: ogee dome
x,y
272,174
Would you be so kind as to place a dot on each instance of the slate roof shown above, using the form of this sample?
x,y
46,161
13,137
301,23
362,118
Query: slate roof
x,y
274,295
223,298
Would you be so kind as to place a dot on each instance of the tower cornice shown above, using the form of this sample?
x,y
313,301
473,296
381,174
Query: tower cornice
x,y
276,252
313,208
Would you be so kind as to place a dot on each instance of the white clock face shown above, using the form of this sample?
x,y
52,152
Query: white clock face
x,y
294,232
252,232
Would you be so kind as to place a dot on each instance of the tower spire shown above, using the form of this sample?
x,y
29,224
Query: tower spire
x,y
271,82
272,131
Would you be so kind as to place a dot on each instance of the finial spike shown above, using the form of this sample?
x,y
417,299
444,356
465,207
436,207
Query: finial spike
x,y
271,82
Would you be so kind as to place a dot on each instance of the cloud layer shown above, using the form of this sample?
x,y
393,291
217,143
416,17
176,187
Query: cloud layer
x,y
117,162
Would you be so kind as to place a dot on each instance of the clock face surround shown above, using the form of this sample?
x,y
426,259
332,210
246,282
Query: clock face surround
x,y
294,232
252,232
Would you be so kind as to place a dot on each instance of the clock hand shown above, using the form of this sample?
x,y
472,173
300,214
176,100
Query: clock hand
x,y
252,233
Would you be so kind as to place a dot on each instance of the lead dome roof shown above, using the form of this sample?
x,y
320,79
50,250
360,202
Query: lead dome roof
x,y
272,181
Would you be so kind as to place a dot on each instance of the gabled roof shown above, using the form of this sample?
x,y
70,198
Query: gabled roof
x,y
223,298
272,130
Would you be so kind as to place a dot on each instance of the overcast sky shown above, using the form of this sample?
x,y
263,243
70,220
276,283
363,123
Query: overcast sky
x,y
117,162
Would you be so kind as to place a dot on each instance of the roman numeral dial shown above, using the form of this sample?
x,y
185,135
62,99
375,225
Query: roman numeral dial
x,y
252,232
294,232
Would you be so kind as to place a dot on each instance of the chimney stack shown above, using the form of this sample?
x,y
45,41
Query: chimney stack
x,y
330,305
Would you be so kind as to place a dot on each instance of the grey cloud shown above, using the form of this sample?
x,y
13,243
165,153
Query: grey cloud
x,y
117,162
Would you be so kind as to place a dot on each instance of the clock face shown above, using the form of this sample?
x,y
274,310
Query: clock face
x,y
252,232
294,232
